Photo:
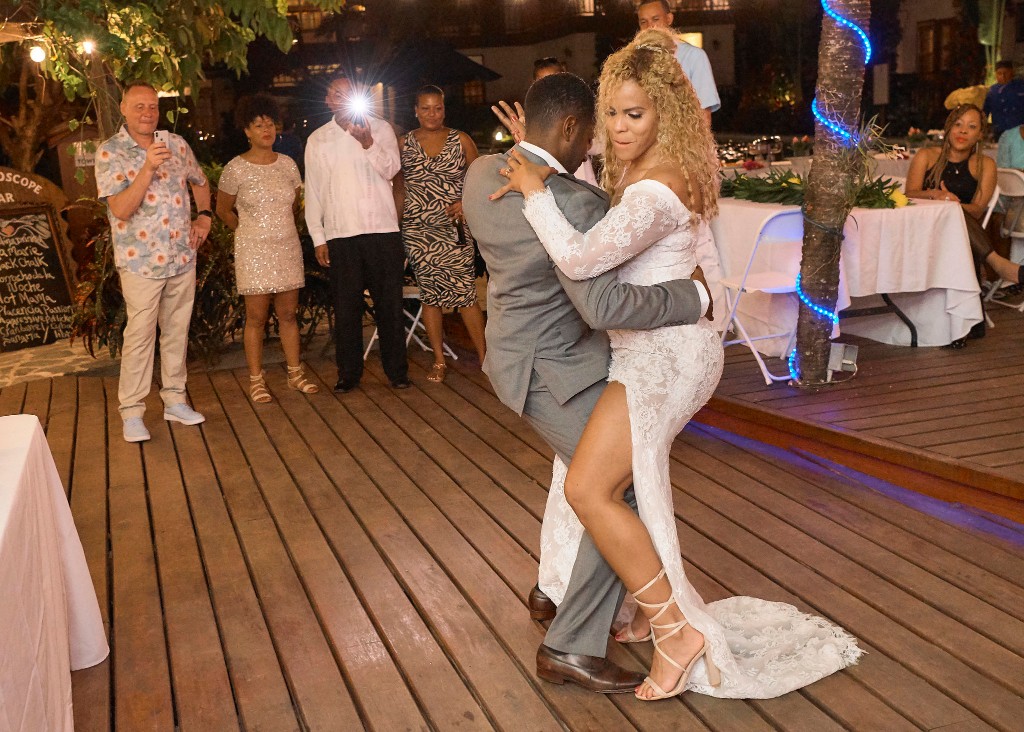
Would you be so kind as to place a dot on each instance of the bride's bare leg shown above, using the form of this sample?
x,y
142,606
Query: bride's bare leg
x,y
600,472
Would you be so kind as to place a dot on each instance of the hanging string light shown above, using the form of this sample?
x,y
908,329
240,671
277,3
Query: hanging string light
x,y
848,137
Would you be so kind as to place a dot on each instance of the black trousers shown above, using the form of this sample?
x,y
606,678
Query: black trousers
x,y
373,262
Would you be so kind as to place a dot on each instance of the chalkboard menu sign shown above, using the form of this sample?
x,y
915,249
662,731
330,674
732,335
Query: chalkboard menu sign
x,y
35,298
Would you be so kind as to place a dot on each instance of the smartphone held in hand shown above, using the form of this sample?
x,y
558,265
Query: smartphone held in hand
x,y
162,136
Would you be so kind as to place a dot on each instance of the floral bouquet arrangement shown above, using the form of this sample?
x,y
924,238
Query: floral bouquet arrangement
x,y
916,137
802,146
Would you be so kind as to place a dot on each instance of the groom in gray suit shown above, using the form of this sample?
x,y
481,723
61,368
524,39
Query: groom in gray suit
x,y
547,353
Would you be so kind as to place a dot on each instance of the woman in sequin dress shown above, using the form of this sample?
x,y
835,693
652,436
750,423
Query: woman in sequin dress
x,y
257,198
429,194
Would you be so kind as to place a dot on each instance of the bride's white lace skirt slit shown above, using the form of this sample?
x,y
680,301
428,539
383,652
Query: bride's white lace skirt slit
x,y
763,649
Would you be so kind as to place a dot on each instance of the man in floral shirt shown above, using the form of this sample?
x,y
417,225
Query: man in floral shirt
x,y
144,182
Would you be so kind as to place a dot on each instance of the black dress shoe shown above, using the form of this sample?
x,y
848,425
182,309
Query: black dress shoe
x,y
344,386
541,606
977,330
402,383
590,672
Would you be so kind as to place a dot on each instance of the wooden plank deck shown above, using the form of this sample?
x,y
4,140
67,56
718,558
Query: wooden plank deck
x,y
955,409
362,562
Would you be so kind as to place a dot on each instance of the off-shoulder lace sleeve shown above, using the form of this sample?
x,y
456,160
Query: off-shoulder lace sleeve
x,y
647,213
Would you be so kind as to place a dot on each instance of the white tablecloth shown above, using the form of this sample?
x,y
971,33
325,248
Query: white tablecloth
x,y
50,620
919,254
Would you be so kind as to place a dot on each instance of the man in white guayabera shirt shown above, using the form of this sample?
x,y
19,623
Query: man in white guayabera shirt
x,y
351,216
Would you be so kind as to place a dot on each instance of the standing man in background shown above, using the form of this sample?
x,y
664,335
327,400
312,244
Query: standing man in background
x,y
1005,100
143,176
352,219
658,14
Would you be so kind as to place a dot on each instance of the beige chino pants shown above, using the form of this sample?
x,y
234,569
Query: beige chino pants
x,y
167,303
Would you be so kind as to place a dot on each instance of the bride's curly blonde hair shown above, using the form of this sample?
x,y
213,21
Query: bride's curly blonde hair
x,y
684,135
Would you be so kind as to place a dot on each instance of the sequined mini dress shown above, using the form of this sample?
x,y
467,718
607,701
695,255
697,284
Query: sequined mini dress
x,y
268,256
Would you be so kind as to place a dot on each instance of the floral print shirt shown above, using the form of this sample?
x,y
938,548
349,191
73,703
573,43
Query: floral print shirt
x,y
153,243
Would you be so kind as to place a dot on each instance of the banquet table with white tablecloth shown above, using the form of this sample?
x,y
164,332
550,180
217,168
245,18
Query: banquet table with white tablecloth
x,y
918,254
50,622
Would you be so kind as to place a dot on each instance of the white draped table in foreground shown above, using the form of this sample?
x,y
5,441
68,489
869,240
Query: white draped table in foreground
x,y
919,254
50,620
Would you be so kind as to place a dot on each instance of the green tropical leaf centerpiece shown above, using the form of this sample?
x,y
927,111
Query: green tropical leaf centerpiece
x,y
787,188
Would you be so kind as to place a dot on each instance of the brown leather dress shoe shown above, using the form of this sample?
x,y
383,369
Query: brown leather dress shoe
x,y
541,606
590,672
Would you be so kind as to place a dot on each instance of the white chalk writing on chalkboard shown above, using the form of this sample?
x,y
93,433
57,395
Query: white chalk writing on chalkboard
x,y
35,303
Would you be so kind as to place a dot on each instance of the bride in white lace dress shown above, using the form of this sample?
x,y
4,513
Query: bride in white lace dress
x,y
661,173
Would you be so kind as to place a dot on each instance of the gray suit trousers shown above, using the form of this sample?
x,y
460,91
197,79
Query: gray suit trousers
x,y
595,592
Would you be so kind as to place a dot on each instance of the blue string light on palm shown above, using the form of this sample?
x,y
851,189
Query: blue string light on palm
x,y
848,137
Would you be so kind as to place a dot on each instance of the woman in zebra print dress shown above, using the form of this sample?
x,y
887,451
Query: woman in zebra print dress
x,y
434,163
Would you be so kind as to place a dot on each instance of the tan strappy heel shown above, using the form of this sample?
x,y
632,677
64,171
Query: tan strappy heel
x,y
258,391
714,677
437,373
297,380
628,636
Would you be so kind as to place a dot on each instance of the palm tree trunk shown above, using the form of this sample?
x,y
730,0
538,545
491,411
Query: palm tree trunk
x,y
106,97
831,184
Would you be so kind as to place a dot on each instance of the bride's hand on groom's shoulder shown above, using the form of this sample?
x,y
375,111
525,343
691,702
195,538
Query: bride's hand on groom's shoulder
x,y
523,176
513,119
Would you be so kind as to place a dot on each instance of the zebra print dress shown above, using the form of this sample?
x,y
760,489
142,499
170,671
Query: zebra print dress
x,y
443,266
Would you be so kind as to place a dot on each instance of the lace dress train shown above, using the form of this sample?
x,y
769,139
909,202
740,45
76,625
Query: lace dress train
x,y
763,649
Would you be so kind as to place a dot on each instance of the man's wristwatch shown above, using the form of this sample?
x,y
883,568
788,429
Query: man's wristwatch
x,y
205,212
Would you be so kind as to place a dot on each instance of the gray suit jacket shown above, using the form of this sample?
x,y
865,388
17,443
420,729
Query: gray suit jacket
x,y
537,318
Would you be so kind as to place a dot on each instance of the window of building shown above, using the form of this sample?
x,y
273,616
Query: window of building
x,y
322,69
935,45
473,92
285,80
513,16
685,6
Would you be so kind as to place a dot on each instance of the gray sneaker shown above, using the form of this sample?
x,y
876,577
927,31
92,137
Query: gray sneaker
x,y
135,430
182,413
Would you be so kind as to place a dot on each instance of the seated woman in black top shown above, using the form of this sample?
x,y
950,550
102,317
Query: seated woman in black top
x,y
958,171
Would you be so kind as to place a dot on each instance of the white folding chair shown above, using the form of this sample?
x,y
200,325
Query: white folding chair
x,y
992,203
1011,187
414,327
768,271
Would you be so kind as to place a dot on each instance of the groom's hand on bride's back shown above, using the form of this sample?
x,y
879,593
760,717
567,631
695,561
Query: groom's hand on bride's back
x,y
698,275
